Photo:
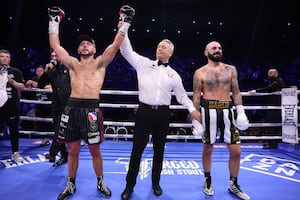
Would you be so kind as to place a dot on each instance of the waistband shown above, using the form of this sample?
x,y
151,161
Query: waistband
x,y
83,103
216,104
154,107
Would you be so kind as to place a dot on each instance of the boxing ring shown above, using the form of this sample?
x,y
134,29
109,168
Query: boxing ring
x,y
182,174
117,129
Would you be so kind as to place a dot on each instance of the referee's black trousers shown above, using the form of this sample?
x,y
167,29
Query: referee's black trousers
x,y
148,121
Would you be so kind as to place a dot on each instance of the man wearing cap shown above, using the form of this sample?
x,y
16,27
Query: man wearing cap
x,y
82,117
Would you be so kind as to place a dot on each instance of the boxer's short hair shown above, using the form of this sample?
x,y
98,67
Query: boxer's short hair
x,y
85,37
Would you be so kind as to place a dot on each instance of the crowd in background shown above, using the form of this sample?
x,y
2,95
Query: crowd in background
x,y
120,75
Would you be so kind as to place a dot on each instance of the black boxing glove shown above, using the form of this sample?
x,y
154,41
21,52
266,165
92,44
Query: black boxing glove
x,y
126,16
56,15
126,13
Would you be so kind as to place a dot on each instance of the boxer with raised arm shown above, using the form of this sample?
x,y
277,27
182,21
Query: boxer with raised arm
x,y
82,117
215,81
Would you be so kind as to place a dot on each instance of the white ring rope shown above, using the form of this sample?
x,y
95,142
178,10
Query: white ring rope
x,y
122,125
36,101
180,107
131,92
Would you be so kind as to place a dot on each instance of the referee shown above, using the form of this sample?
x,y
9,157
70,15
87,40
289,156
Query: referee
x,y
156,82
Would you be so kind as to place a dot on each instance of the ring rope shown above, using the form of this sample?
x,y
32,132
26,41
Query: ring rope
x,y
130,124
132,92
185,137
36,101
180,107
115,123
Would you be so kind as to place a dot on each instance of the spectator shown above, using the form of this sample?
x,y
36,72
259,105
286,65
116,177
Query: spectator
x,y
39,71
57,76
276,83
12,82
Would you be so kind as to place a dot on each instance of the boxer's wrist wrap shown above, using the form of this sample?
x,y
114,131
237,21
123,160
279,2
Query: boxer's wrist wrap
x,y
124,28
53,27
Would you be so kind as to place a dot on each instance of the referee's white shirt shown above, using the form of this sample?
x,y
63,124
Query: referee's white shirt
x,y
156,83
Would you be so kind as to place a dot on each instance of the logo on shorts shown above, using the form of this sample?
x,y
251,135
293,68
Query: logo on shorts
x,y
92,116
93,126
64,118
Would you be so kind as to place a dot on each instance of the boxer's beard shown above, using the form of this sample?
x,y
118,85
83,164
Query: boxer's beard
x,y
217,57
86,54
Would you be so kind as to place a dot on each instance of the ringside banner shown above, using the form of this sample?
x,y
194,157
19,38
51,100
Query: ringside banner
x,y
289,113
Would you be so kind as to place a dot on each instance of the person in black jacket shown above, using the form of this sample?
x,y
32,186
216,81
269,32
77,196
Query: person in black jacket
x,y
272,116
56,78
32,83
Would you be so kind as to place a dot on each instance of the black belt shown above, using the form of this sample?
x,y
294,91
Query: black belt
x,y
153,107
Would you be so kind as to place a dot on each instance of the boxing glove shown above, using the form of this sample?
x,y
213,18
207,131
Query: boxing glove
x,y
242,122
126,16
126,13
197,129
56,15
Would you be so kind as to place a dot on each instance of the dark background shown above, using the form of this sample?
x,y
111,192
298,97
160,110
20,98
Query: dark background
x,y
252,32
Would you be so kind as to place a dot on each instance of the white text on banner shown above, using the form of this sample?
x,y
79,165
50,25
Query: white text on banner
x,y
289,113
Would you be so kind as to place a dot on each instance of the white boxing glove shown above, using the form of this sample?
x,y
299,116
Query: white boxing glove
x,y
56,15
242,122
197,129
3,92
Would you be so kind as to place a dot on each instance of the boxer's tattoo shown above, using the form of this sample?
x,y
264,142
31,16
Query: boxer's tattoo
x,y
218,79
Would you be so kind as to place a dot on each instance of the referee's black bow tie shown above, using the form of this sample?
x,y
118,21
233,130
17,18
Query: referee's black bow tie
x,y
161,63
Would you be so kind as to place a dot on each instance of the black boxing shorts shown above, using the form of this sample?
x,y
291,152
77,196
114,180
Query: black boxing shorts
x,y
81,119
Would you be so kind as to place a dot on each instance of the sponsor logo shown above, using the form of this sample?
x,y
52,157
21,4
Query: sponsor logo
x,y
92,116
64,118
279,167
9,163
93,126
170,167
